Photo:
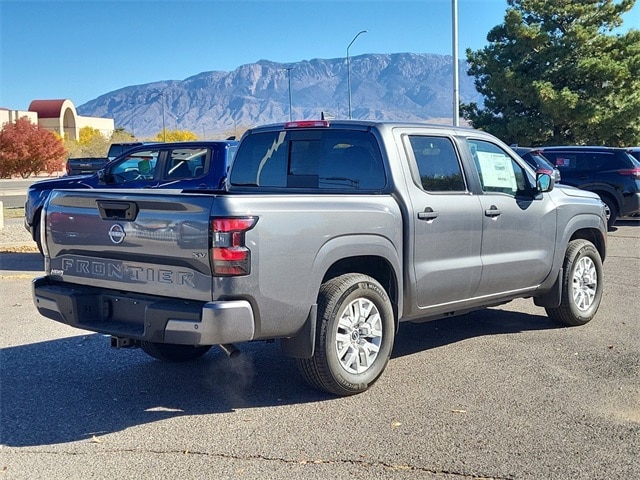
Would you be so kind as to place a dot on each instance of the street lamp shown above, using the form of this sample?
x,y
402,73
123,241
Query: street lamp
x,y
164,130
133,114
288,69
349,68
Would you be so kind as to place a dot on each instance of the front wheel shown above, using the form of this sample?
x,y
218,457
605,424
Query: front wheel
x,y
171,352
581,285
354,337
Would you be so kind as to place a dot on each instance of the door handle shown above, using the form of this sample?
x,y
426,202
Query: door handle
x,y
428,214
493,211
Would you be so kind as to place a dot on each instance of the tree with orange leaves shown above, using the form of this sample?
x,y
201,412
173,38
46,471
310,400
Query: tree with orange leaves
x,y
27,149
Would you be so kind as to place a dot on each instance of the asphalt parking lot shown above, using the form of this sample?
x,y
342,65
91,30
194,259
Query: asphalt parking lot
x,y
502,393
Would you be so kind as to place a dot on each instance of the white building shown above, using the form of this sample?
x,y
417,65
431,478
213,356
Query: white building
x,y
59,116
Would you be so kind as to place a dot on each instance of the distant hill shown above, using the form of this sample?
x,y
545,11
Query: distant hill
x,y
402,86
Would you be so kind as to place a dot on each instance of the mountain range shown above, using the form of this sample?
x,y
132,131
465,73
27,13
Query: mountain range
x,y
402,86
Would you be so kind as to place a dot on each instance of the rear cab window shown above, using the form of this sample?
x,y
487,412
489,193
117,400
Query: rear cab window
x,y
438,166
320,159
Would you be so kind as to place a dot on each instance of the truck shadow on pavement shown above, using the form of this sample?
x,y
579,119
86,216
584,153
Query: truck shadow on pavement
x,y
75,388
21,262
417,337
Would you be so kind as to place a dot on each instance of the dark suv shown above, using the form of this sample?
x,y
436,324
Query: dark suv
x,y
537,161
610,172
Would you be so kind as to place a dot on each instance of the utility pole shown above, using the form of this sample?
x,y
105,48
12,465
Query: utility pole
x,y
288,69
456,83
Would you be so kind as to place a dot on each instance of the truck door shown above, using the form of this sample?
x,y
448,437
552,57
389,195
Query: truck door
x,y
447,224
519,225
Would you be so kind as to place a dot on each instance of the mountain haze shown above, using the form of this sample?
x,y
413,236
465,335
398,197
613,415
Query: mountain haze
x,y
403,86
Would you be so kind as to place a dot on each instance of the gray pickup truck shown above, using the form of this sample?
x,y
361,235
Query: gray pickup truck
x,y
326,237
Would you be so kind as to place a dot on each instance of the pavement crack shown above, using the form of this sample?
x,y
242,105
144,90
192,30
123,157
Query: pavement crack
x,y
339,461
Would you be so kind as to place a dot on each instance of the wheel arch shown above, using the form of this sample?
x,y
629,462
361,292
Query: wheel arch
x,y
606,190
370,255
594,236
375,266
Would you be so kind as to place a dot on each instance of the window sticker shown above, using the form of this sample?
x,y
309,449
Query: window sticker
x,y
497,171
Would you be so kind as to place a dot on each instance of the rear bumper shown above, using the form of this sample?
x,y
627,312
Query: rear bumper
x,y
144,317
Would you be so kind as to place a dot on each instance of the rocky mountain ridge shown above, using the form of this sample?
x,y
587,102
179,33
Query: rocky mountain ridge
x,y
403,86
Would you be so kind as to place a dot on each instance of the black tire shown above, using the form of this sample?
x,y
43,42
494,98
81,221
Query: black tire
x,y
343,350
171,352
612,210
581,285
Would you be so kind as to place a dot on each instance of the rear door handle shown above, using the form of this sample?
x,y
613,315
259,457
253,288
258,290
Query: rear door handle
x,y
493,211
428,214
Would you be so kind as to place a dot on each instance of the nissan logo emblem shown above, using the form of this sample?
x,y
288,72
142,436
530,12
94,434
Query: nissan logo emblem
x,y
116,233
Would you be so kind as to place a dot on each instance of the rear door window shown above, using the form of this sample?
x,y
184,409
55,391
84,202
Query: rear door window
x,y
438,164
187,163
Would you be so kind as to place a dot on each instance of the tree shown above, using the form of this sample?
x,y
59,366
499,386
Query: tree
x,y
28,149
120,135
175,136
554,73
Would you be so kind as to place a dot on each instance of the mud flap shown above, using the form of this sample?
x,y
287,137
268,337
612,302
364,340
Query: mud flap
x,y
553,297
302,345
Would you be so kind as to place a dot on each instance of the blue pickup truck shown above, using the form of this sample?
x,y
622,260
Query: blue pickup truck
x,y
178,165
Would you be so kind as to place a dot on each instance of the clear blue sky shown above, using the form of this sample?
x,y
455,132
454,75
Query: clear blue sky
x,y
81,49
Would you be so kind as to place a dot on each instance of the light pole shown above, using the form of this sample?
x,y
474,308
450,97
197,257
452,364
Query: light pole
x,y
133,114
349,68
288,69
164,130
454,36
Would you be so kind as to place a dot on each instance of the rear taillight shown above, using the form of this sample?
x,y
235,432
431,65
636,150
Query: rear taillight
x,y
630,172
229,254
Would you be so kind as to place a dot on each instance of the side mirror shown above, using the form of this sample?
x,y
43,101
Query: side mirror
x,y
544,182
101,176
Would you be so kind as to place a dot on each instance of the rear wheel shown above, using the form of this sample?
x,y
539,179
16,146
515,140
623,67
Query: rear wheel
x,y
170,352
581,285
354,337
611,208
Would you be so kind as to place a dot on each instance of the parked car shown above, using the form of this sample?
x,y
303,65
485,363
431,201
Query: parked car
x,y
634,152
178,165
610,172
537,161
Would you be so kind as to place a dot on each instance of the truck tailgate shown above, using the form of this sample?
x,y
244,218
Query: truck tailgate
x,y
154,242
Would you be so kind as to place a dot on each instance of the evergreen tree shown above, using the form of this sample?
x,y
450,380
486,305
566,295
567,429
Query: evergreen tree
x,y
555,73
